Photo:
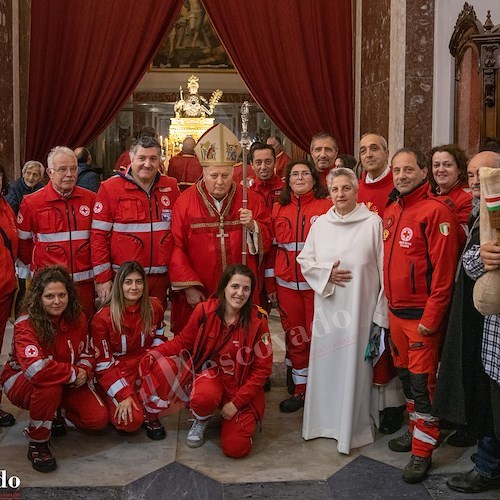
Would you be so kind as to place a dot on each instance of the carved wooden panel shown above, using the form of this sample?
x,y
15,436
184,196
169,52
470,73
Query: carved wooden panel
x,y
476,49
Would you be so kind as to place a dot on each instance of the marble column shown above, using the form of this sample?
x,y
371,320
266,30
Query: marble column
x,y
394,70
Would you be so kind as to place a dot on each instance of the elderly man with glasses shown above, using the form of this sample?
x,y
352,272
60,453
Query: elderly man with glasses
x,y
54,225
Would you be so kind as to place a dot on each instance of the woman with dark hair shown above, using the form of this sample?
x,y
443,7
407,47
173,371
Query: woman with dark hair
x,y
226,349
129,323
302,201
448,177
8,255
50,365
346,161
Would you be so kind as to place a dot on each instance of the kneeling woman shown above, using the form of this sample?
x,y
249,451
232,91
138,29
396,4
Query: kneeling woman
x,y
50,365
227,344
123,330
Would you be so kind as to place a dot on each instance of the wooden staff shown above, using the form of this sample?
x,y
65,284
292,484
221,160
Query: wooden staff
x,y
244,144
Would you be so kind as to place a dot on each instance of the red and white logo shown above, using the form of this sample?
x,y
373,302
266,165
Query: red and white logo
x,y
165,200
84,210
405,237
313,219
98,207
31,351
406,234
20,218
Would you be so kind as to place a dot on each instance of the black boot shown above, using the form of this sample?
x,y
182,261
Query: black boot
x,y
473,482
293,403
41,457
391,419
6,419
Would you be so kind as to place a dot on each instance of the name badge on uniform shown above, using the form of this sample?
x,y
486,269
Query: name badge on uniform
x,y
166,214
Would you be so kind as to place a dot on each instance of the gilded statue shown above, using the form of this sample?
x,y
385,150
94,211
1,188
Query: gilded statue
x,y
194,105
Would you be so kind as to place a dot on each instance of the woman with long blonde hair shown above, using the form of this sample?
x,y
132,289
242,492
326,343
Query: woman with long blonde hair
x,y
129,323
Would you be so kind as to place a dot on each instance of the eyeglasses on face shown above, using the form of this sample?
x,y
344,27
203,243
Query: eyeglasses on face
x,y
304,175
64,171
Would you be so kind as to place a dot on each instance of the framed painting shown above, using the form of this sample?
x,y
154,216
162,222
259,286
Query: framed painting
x,y
192,44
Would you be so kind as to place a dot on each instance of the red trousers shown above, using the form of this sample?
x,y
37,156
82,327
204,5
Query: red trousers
x,y
86,293
130,372
5,307
158,285
416,356
171,380
79,405
211,391
296,308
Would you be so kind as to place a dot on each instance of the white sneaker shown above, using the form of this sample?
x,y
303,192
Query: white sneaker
x,y
195,434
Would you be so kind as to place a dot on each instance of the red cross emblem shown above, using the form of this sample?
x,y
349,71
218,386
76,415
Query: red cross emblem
x,y
31,351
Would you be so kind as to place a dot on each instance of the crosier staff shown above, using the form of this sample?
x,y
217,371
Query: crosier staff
x,y
245,142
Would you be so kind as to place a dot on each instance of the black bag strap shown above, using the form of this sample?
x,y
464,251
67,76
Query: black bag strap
x,y
7,243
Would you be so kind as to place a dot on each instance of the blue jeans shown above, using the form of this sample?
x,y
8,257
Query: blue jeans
x,y
488,447
488,457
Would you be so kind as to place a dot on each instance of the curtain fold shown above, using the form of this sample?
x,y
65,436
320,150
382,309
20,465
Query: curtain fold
x,y
87,57
295,56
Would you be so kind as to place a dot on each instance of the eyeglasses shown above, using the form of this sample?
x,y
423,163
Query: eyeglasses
x,y
304,175
64,171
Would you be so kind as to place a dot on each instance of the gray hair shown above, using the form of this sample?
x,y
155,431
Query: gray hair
x,y
339,172
33,163
59,150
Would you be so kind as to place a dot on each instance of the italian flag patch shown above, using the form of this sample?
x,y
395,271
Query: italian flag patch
x,y
444,228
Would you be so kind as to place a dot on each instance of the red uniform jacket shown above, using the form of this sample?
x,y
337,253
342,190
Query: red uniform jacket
x,y
282,160
421,242
119,355
291,225
201,252
269,191
56,230
375,195
459,202
238,173
185,168
201,336
46,365
7,255
130,224
123,162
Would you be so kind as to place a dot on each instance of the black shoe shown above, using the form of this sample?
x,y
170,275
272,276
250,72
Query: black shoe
x,y
461,439
472,482
6,419
289,381
293,403
41,457
154,430
473,458
401,443
58,427
267,385
391,419
416,469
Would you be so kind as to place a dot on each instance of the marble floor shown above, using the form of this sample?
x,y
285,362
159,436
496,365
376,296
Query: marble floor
x,y
109,465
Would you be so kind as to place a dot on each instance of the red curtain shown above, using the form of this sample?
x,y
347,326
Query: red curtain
x,y
87,57
295,57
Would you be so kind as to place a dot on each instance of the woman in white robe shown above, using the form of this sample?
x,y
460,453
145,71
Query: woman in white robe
x,y
342,262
